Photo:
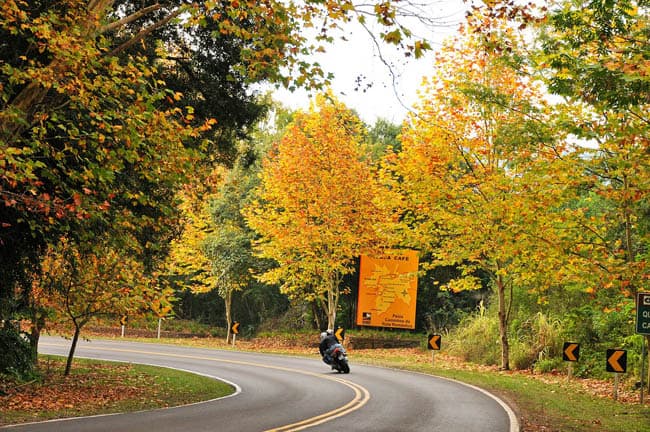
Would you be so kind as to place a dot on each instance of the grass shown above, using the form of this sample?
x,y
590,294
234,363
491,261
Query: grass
x,y
102,388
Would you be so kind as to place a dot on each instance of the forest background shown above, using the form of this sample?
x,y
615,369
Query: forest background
x,y
141,177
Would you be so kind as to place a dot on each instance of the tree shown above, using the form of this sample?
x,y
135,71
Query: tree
x,y
594,54
79,284
316,207
86,151
229,246
475,169
381,136
214,251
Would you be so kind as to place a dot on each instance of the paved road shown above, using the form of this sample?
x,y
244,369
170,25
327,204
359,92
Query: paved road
x,y
280,393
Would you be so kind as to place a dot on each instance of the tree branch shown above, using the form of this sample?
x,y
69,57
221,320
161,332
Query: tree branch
x,y
129,19
143,33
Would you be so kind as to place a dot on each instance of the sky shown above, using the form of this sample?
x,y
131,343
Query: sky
x,y
358,57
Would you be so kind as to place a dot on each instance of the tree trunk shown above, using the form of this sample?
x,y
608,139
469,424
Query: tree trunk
x,y
228,302
73,347
315,310
332,302
503,324
38,323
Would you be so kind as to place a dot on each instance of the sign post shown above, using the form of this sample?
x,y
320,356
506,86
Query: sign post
x,y
388,287
643,328
570,353
617,363
234,328
339,333
123,321
433,344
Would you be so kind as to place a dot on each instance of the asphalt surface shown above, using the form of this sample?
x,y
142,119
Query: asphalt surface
x,y
282,393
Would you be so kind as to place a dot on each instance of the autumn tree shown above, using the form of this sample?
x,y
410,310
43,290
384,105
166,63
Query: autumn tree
x,y
85,152
79,284
594,54
316,208
472,169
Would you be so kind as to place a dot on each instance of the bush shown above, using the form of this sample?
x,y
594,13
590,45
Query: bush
x,y
477,339
15,353
547,365
522,355
534,339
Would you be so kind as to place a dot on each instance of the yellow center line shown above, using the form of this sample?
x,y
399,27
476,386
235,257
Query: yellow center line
x,y
361,394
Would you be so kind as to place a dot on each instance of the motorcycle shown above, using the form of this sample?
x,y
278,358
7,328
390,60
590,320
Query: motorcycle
x,y
340,359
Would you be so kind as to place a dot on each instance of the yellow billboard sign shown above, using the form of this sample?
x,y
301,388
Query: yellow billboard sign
x,y
388,286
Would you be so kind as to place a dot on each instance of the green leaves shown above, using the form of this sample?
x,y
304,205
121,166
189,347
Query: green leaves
x,y
596,51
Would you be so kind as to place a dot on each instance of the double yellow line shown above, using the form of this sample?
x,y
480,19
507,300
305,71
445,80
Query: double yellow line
x,y
361,394
361,397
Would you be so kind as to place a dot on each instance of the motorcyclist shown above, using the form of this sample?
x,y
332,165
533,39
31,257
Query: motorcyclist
x,y
327,344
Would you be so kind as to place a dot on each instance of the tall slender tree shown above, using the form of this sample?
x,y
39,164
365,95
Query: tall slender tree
x,y
472,166
316,208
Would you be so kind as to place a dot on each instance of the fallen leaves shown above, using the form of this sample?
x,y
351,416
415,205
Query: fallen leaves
x,y
90,387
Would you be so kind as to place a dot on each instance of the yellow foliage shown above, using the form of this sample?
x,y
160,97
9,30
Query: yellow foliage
x,y
318,200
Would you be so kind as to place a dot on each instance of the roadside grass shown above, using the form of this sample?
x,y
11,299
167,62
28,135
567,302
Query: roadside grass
x,y
95,387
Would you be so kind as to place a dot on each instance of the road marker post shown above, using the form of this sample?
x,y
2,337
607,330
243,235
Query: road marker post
x,y
123,321
234,329
617,363
643,328
433,344
570,353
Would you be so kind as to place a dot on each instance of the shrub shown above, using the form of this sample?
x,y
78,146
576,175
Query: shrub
x,y
522,355
15,353
546,365
533,339
477,339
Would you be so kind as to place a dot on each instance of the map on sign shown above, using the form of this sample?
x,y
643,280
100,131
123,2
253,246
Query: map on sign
x,y
388,289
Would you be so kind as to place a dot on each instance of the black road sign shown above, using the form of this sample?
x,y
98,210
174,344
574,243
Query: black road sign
x,y
616,360
435,341
643,313
571,351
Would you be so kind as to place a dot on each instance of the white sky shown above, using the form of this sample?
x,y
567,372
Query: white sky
x,y
358,56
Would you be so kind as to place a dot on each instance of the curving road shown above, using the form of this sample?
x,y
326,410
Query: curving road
x,y
281,393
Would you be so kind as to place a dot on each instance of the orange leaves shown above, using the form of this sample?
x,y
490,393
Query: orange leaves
x,y
81,282
95,387
317,208
469,159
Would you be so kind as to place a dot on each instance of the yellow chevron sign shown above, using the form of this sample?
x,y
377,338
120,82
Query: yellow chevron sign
x,y
571,351
616,360
340,334
235,327
434,342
